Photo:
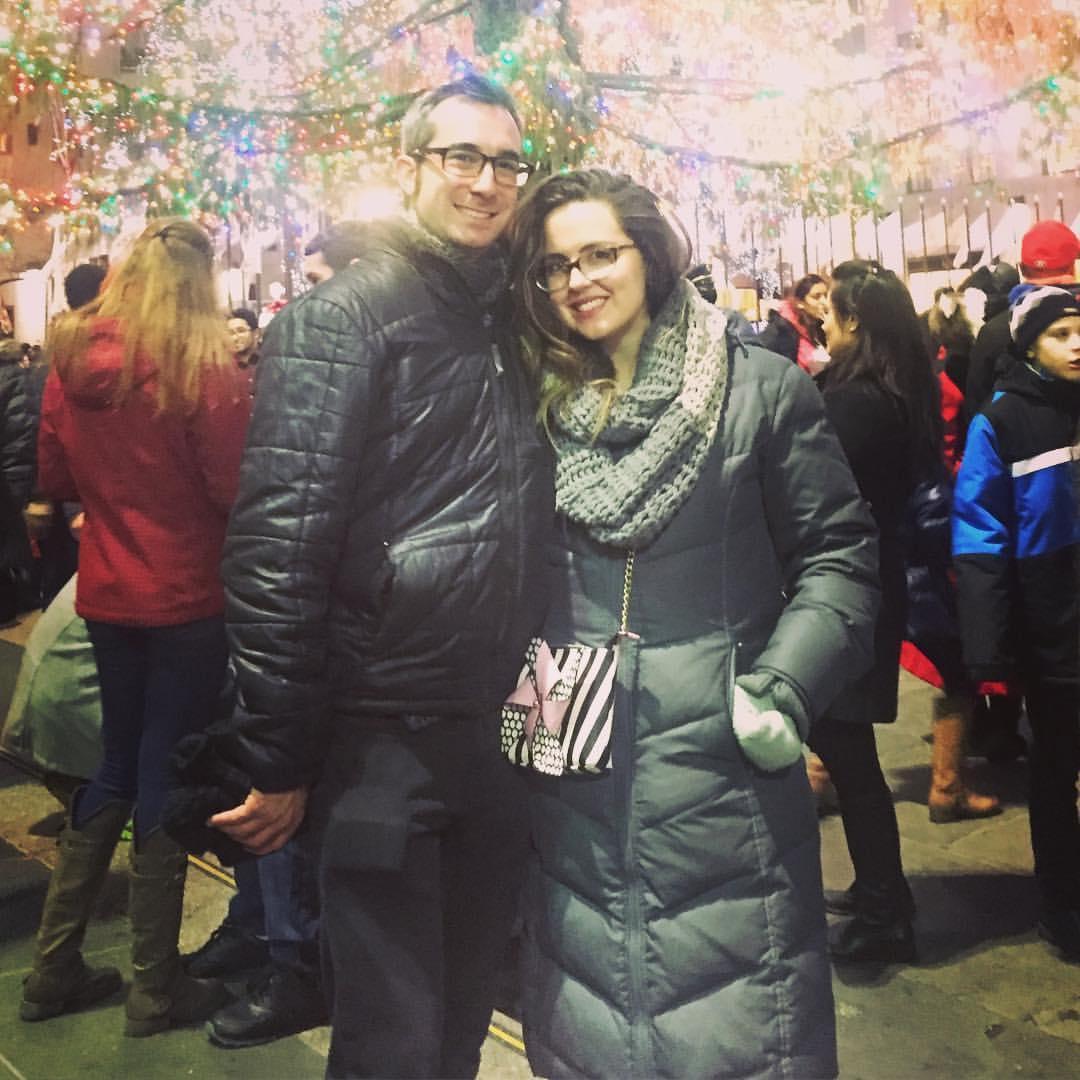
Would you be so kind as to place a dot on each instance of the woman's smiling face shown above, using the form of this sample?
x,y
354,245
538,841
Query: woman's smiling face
x,y
611,308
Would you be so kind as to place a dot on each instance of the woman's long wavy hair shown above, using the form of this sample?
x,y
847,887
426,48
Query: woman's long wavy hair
x,y
162,297
560,360
890,347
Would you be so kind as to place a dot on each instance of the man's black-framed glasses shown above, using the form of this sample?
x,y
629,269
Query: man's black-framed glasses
x,y
467,163
553,271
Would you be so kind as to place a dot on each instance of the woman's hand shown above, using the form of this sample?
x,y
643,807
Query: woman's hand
x,y
767,737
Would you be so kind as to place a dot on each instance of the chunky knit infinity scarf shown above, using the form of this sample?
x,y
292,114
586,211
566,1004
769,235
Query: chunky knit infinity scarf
x,y
625,485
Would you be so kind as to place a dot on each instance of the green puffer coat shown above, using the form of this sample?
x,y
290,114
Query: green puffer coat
x,y
675,923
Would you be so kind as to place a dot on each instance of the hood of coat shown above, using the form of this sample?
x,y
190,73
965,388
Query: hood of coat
x,y
1025,381
93,383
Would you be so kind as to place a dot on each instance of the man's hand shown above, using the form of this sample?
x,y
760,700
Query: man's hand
x,y
263,822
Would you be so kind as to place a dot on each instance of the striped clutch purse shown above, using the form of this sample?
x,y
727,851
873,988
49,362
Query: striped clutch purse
x,y
561,716
559,719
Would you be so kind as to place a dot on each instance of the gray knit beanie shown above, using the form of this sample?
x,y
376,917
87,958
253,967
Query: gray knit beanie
x,y
1034,311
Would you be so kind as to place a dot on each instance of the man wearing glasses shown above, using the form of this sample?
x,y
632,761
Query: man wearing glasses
x,y
382,573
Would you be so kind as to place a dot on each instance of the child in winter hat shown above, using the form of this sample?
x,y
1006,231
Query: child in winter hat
x,y
1033,312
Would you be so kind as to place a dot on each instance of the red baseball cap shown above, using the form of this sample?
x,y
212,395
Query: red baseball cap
x,y
1050,247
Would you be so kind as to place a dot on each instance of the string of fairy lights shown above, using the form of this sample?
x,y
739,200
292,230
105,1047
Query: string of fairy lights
x,y
244,110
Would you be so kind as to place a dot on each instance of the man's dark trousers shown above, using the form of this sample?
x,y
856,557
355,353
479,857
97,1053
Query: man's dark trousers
x,y
424,833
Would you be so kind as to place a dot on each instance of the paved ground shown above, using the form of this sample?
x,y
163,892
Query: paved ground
x,y
988,999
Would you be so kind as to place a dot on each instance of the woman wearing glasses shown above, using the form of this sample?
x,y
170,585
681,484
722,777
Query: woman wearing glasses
x,y
675,925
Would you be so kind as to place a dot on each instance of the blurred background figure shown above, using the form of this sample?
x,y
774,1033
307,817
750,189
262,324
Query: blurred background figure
x,y
333,249
881,396
54,719
54,526
932,650
314,267
16,478
82,284
1048,254
143,420
795,328
700,276
242,325
950,339
985,291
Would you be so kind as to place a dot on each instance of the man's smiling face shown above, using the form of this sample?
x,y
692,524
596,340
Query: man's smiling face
x,y
473,213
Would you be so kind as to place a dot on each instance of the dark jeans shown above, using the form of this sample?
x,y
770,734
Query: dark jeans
x,y
849,752
158,683
424,840
277,899
1053,762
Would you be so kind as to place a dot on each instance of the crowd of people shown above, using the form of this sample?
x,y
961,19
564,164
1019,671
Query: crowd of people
x,y
501,587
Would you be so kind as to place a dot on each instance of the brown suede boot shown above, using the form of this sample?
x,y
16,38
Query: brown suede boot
x,y
949,799
822,786
162,996
60,981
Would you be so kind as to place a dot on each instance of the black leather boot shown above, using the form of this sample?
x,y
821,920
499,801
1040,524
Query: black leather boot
x,y
1061,928
228,953
859,941
846,902
880,930
284,1003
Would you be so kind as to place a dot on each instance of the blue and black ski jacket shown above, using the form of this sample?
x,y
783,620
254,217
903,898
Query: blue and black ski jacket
x,y
1016,532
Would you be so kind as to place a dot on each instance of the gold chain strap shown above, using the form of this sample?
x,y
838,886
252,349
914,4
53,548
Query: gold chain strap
x,y
628,577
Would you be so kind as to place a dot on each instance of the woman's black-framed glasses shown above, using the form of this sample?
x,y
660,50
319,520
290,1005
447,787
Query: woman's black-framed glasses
x,y
553,271
467,163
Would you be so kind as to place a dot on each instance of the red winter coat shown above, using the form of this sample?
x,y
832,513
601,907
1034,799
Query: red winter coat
x,y
156,488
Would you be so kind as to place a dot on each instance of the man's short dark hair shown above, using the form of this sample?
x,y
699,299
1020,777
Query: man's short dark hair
x,y
416,127
247,315
83,284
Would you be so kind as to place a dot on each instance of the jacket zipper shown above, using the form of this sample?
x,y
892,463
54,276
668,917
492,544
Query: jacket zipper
x,y
640,1049
510,508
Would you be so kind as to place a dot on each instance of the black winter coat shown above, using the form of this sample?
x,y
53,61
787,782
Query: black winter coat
x,y
16,465
779,336
874,435
385,550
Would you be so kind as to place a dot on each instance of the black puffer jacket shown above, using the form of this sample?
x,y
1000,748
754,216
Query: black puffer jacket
x,y
385,550
16,463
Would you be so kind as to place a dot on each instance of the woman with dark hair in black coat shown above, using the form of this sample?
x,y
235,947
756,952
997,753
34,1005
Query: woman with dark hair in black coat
x,y
795,329
881,396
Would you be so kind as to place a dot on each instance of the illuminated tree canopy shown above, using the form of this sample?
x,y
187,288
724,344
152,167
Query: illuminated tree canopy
x,y
242,108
